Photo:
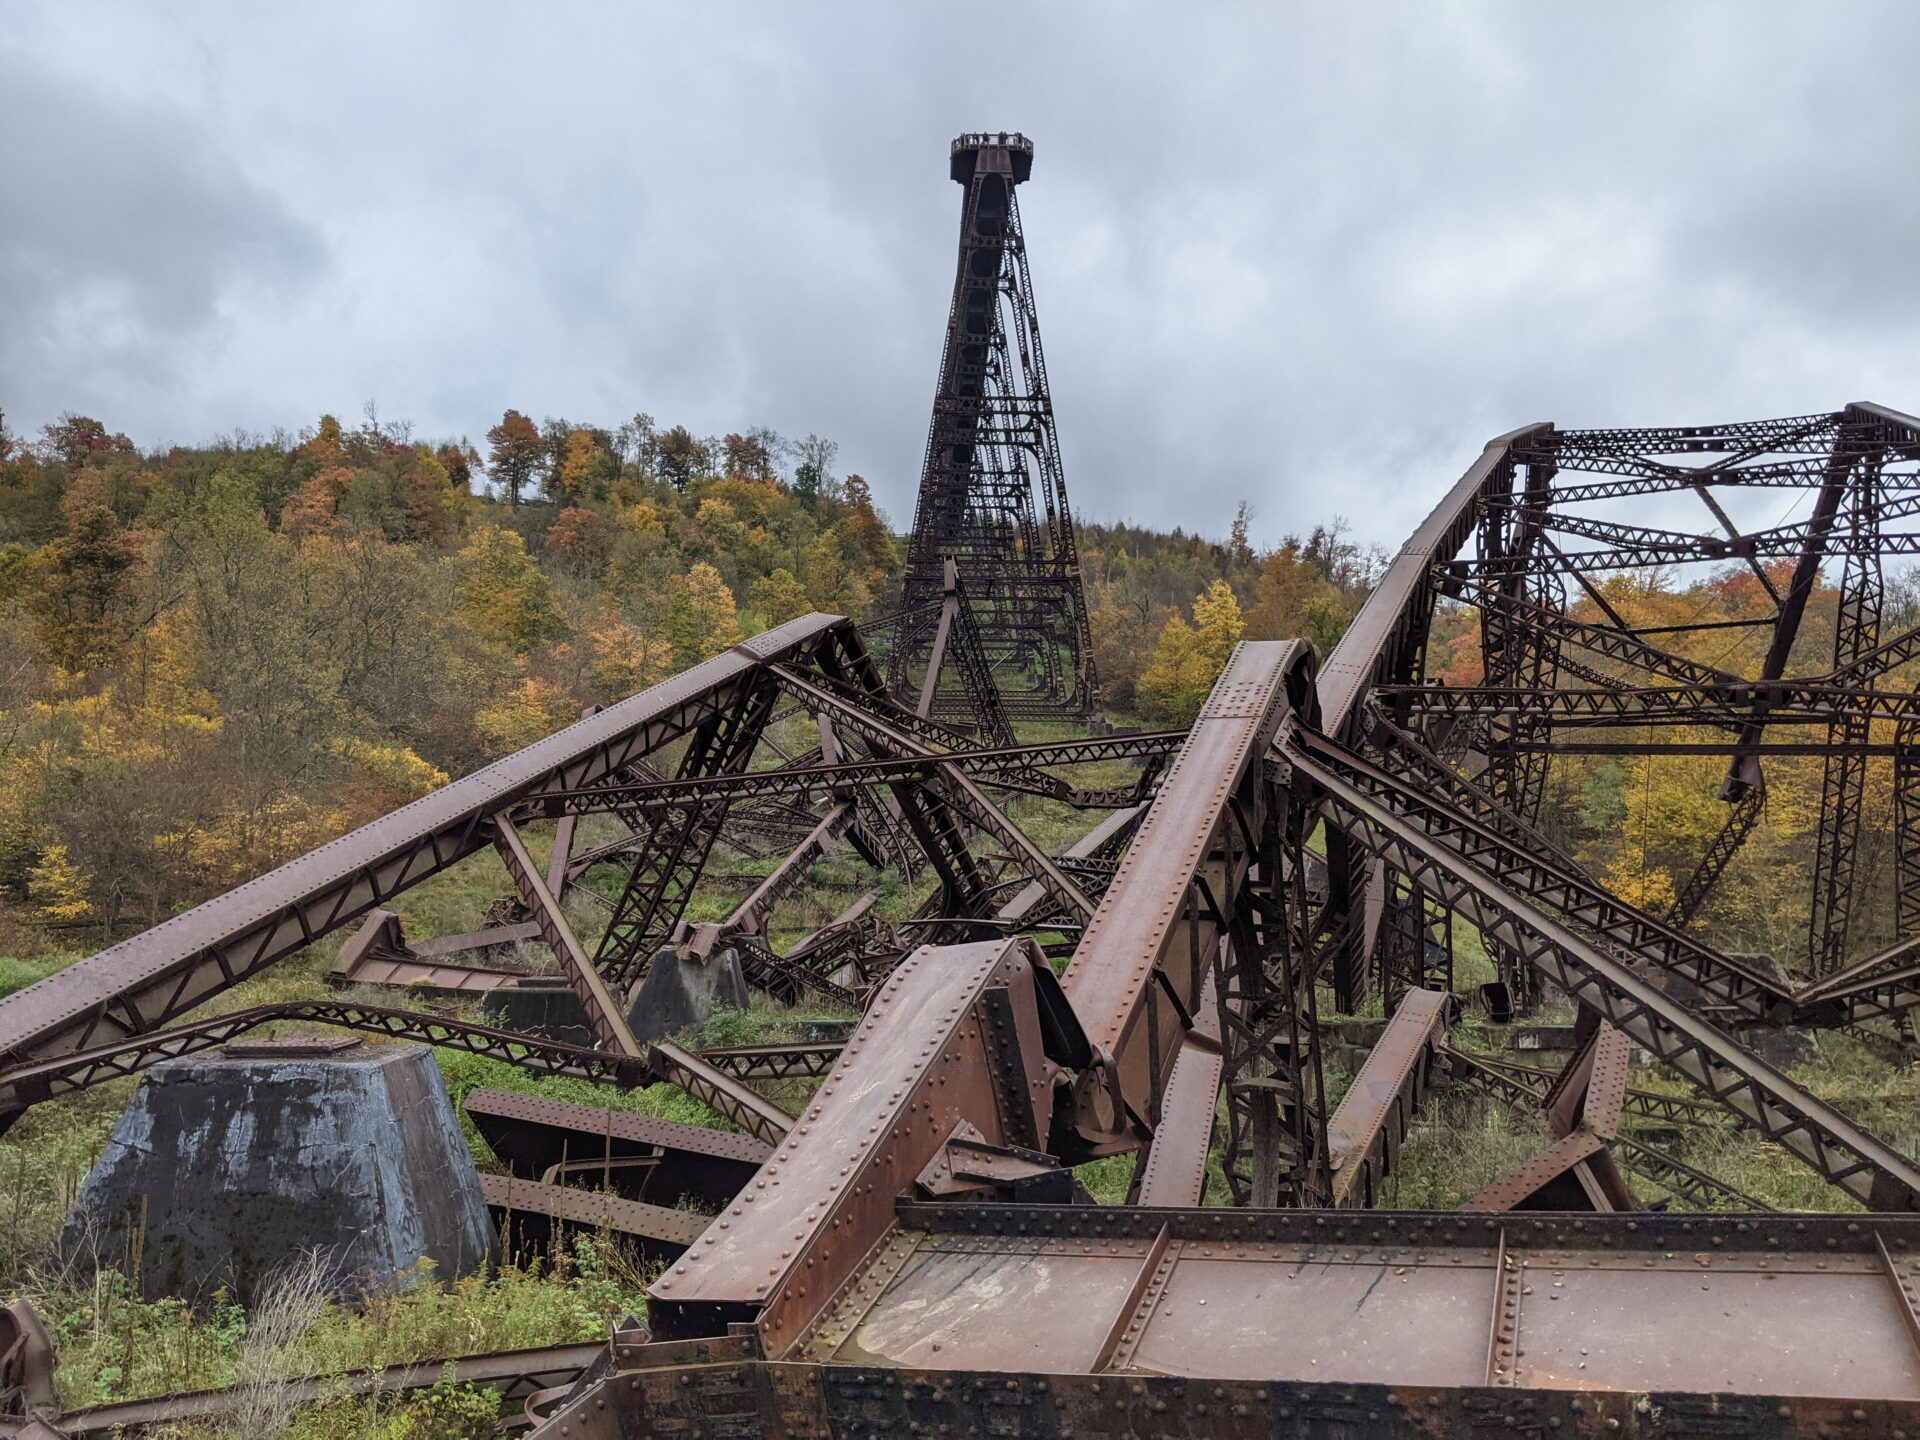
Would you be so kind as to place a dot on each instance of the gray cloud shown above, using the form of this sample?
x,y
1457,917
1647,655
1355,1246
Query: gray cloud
x,y
133,247
1309,256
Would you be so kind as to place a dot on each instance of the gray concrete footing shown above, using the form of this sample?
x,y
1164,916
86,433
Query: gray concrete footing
x,y
681,991
226,1167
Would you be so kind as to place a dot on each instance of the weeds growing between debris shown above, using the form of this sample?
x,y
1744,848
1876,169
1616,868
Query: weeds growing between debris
x,y
115,1346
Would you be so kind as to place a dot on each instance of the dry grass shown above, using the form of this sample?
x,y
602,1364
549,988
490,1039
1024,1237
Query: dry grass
x,y
286,1310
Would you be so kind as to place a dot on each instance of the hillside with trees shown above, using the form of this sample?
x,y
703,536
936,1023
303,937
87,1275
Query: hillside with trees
x,y
218,657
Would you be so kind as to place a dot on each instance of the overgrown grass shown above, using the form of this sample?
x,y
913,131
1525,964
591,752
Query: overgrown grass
x,y
114,1345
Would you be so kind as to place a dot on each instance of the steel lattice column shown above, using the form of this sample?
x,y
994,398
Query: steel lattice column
x,y
1843,788
990,449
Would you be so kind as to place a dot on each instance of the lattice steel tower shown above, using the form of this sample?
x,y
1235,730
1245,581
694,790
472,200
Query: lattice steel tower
x,y
991,447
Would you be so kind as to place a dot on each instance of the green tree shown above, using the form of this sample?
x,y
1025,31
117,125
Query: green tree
x,y
1188,658
585,469
681,457
77,439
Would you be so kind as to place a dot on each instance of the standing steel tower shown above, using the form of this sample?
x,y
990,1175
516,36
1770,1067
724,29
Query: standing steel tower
x,y
990,448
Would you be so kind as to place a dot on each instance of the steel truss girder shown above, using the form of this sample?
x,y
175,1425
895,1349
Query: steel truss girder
x,y
1607,640
1742,818
1779,702
1010,767
147,981
24,1085
1523,1089
666,868
1844,781
955,792
1780,1110
1455,811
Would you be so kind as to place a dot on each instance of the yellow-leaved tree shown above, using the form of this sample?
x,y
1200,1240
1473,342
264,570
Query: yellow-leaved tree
x,y
1188,657
503,591
779,597
701,617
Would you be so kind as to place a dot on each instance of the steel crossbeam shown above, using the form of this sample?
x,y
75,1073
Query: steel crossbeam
x,y
1009,766
1729,704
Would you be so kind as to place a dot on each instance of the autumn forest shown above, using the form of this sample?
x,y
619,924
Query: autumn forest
x,y
217,657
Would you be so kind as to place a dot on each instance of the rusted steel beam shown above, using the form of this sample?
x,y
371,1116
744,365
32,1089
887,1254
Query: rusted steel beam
x,y
957,637
1365,1131
1633,547
642,1158
23,1085
515,1374
1612,642
1817,749
1107,838
776,1062
148,981
665,870
929,816
378,954
724,1094
560,858
750,915
1136,976
1450,808
1673,1174
1583,1104
567,1205
605,1014
1174,1170
1742,819
954,1035
957,788
1525,1087
1386,643
1780,702
1752,1089
417,975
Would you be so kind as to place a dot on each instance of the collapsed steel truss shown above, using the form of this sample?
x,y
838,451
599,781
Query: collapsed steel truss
x,y
990,449
900,1256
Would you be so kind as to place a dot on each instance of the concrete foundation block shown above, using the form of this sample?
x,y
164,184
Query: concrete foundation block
x,y
541,1007
228,1166
680,992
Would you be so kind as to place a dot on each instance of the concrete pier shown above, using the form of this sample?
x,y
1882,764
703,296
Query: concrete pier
x,y
228,1165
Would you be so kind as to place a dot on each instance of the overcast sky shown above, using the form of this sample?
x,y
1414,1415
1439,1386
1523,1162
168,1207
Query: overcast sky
x,y
1309,256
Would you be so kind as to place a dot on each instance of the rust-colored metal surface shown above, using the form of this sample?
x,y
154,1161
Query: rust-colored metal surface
x,y
723,1093
1137,974
570,1205
1364,1134
515,1374
1320,832
1394,1299
922,1061
659,1161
